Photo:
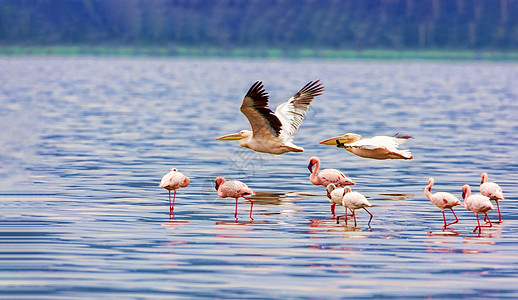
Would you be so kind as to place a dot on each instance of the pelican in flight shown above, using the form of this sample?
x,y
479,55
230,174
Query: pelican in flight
x,y
377,147
273,132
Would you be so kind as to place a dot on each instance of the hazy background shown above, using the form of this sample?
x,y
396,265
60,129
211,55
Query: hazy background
x,y
284,24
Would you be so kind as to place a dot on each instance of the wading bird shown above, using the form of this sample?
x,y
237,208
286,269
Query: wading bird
x,y
442,200
234,189
353,201
172,181
377,147
491,190
273,132
327,176
478,204
335,196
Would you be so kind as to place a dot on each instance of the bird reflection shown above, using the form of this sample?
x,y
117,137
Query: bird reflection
x,y
396,196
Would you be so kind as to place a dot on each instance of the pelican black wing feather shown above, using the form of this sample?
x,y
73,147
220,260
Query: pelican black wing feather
x,y
259,103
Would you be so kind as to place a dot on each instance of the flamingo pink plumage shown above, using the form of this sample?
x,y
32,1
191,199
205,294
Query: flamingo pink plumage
x,y
327,176
491,190
172,181
234,189
353,201
478,204
443,201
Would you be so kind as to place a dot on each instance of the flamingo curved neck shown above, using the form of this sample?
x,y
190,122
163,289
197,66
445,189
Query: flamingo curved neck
x,y
313,177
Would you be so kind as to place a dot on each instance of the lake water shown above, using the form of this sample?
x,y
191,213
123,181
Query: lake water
x,y
85,141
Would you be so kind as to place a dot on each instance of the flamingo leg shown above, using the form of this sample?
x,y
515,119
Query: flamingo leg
x,y
333,205
444,217
171,205
478,226
456,219
490,224
345,216
498,206
251,207
235,212
369,214
354,215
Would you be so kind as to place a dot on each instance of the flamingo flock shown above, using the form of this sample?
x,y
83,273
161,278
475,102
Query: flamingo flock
x,y
272,132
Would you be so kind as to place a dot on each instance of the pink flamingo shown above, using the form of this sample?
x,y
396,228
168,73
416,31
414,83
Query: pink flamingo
x,y
354,201
327,176
234,189
443,201
491,190
478,204
172,181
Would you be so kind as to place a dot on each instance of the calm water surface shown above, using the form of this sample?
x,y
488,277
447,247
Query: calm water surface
x,y
85,141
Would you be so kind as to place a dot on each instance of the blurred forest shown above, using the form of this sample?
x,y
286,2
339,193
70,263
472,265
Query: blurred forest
x,y
332,24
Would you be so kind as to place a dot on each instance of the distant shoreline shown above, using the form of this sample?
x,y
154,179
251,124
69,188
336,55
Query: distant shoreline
x,y
263,53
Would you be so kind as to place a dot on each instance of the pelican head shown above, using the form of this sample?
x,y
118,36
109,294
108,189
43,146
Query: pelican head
x,y
343,139
236,136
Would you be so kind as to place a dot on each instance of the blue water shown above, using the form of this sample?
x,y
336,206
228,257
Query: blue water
x,y
85,141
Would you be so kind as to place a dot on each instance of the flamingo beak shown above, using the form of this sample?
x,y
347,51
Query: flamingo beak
x,y
231,137
217,186
333,141
463,195
352,182
328,195
310,167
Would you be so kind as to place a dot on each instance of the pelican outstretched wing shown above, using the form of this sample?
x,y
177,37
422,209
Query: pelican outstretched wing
x,y
292,112
262,119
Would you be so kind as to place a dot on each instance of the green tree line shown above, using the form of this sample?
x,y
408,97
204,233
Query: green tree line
x,y
353,24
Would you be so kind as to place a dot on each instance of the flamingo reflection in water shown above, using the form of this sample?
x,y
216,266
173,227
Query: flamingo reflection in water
x,y
172,181
234,189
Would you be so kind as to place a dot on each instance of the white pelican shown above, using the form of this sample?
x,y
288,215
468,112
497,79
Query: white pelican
x,y
273,132
377,147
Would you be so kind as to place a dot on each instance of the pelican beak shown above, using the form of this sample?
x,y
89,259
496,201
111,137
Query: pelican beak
x,y
333,141
231,137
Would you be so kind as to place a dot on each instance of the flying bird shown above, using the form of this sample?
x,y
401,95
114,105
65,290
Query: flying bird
x,y
353,201
442,200
326,177
491,190
273,132
234,189
477,203
172,181
377,147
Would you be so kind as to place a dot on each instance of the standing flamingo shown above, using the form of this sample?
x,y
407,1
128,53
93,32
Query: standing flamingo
x,y
491,190
234,189
327,176
354,201
443,201
172,181
335,196
478,204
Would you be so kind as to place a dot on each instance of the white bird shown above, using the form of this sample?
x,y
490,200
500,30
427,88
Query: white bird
x,y
491,190
377,147
477,203
273,132
172,181
335,196
442,200
354,201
